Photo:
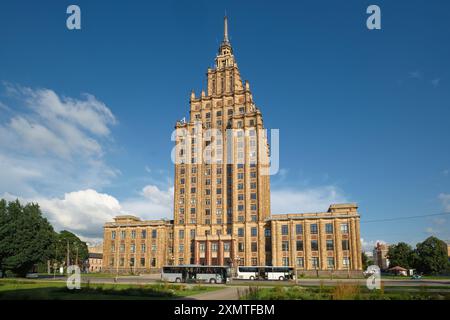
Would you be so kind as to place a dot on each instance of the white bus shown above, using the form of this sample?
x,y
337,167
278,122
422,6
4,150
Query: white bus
x,y
265,273
196,273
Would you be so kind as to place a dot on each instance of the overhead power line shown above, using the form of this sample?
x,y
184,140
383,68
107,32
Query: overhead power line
x,y
406,218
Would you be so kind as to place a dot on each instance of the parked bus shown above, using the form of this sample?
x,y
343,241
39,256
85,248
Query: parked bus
x,y
265,273
196,273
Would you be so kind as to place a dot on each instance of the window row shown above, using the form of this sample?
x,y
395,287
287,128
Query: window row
x,y
345,245
313,228
133,233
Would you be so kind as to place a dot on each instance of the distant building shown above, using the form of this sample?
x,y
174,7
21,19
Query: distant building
x,y
95,259
448,249
379,255
369,255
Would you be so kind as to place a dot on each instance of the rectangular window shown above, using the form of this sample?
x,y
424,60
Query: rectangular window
x,y
345,245
123,234
142,262
299,245
240,232
254,247
267,232
254,261
285,246
154,233
253,196
253,185
143,247
299,229
181,248
240,207
253,207
113,235
154,247
240,186
181,234
285,261
218,191
330,245
284,230
241,247
122,248
192,233
313,228
133,234
315,262
143,234
254,231
226,246
240,196
329,228
300,262
346,262
314,245
330,263
214,247
113,247
133,248
344,228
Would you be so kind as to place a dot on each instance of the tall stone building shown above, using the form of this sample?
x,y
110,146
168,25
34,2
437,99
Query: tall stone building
x,y
222,195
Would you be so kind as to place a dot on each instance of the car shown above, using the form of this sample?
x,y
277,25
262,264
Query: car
x,y
32,275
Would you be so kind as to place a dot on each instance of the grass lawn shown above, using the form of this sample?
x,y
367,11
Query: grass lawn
x,y
14,289
344,291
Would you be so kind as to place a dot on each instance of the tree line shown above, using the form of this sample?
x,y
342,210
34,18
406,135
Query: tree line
x,y
429,256
27,239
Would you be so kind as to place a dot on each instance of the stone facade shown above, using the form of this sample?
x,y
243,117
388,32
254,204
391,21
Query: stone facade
x,y
131,245
222,195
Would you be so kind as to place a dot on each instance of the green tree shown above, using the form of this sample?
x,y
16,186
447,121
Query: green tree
x,y
366,261
68,242
400,254
25,237
431,256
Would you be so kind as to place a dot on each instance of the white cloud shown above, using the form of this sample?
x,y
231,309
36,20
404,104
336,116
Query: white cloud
x,y
83,212
435,82
445,201
369,245
305,200
51,144
152,203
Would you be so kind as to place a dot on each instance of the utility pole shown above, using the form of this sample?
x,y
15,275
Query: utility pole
x,y
76,260
68,253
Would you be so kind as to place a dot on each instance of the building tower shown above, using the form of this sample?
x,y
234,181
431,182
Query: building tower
x,y
222,187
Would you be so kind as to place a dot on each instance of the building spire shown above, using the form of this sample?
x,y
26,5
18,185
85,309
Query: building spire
x,y
225,29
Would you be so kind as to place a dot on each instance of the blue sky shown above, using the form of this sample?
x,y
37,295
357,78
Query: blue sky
x,y
363,115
